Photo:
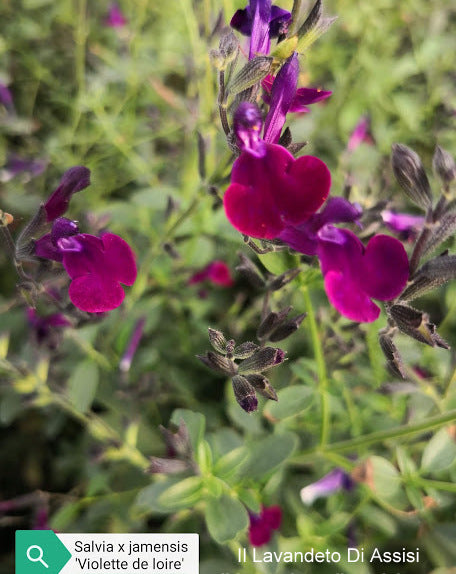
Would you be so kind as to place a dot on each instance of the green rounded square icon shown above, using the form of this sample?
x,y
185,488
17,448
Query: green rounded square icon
x,y
40,552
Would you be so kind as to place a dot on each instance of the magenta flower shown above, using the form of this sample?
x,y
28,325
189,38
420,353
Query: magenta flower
x,y
127,358
336,480
303,97
355,274
262,526
361,134
407,226
216,272
261,22
45,327
96,265
73,180
271,192
115,17
304,238
248,123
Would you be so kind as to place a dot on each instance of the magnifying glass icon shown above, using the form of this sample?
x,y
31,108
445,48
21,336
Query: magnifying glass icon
x,y
39,557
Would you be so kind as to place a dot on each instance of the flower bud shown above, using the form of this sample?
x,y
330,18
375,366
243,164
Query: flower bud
x,y
416,324
410,175
166,465
250,271
245,350
247,124
245,394
262,385
218,363
252,73
73,180
282,280
444,165
265,358
217,340
271,322
287,328
392,355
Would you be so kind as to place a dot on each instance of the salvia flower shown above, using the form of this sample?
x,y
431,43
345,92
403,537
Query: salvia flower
x,y
6,98
46,328
262,525
73,180
217,272
115,17
360,134
247,124
269,193
354,274
302,98
96,265
127,358
333,482
261,22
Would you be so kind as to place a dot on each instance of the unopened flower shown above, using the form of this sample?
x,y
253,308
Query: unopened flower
x,y
217,272
73,180
263,525
355,274
271,192
115,17
138,329
261,22
360,134
336,480
96,265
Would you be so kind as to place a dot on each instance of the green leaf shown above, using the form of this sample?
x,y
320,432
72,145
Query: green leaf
x,y
291,401
82,386
195,423
387,482
279,262
225,518
183,494
148,498
269,453
231,463
440,452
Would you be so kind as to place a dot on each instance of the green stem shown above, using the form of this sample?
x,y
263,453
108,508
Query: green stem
x,y
378,436
321,367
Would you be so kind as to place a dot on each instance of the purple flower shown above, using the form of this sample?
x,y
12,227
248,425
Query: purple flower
x,y
355,274
262,526
16,165
269,193
6,98
304,238
45,327
406,225
135,339
247,123
115,17
96,265
216,272
261,22
336,480
73,180
303,97
360,134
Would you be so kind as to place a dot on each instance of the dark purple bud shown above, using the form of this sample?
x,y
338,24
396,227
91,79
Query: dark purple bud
x,y
138,330
392,355
217,340
63,227
228,46
73,180
271,322
6,99
410,175
265,358
218,363
287,328
262,385
441,231
244,350
167,465
177,443
247,123
431,275
417,325
245,394
282,280
250,272
444,165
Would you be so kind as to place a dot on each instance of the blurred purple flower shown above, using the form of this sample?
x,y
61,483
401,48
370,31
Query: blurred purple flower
x,y
46,327
135,339
16,165
217,272
73,180
361,134
271,192
41,519
407,226
336,480
262,525
261,22
6,98
115,17
96,265
355,274
247,123
304,238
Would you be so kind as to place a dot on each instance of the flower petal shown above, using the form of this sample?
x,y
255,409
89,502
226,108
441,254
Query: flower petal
x,y
89,260
306,96
93,294
119,259
385,268
349,299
